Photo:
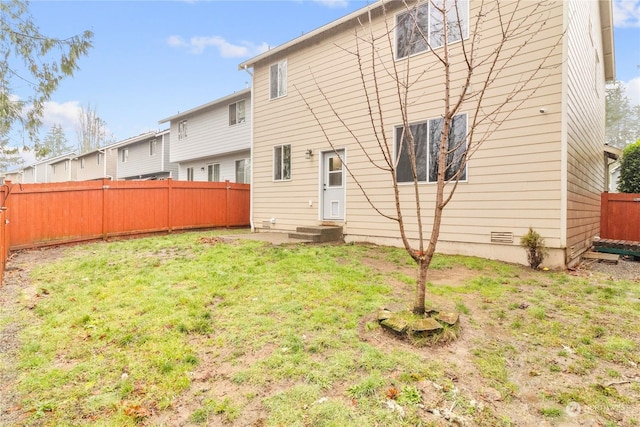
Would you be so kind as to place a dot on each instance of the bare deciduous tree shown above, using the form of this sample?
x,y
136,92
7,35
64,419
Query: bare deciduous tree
x,y
467,75
92,131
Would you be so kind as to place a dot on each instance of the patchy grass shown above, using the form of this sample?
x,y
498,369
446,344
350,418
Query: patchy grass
x,y
179,329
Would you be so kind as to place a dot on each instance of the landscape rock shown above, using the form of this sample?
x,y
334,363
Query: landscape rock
x,y
449,317
396,324
426,325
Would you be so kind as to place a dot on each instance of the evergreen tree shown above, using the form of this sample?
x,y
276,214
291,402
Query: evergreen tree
x,y
629,181
30,56
623,119
54,144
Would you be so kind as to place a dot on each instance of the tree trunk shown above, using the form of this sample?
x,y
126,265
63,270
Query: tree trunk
x,y
419,303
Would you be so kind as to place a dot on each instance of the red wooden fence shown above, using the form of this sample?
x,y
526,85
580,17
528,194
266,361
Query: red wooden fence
x,y
46,214
620,216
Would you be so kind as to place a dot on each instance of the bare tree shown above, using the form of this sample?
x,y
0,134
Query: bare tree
x,y
467,118
92,131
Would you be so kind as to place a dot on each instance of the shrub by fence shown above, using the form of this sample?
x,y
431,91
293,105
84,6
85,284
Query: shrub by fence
x,y
47,214
620,216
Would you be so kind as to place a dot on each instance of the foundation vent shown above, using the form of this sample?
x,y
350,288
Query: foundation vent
x,y
501,237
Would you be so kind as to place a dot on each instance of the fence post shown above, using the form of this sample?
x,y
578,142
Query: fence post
x,y
226,204
105,187
604,208
169,204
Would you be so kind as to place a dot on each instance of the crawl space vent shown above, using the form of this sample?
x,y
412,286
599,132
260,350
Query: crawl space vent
x,y
501,237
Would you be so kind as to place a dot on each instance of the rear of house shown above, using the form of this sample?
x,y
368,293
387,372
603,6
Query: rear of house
x,y
145,156
213,140
542,168
97,164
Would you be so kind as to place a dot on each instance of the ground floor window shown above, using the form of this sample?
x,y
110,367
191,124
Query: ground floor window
x,y
282,162
213,172
426,148
189,174
243,171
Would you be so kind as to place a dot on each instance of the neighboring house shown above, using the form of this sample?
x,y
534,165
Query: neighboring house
x,y
614,176
544,168
97,164
14,176
145,156
212,142
56,169
62,169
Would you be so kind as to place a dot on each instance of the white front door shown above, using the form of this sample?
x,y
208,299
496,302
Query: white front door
x,y
333,185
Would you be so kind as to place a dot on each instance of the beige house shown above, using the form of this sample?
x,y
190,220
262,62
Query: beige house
x,y
543,167
97,164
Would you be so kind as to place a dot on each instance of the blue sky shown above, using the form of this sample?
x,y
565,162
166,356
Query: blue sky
x,y
152,59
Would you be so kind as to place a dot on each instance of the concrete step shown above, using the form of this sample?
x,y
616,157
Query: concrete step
x,y
318,234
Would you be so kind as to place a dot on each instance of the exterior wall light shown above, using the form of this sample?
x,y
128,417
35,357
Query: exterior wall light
x,y
308,154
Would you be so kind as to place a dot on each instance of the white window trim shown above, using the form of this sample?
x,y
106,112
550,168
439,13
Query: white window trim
x,y
244,119
428,4
427,121
282,92
273,163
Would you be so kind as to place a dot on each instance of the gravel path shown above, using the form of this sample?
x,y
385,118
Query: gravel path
x,y
624,269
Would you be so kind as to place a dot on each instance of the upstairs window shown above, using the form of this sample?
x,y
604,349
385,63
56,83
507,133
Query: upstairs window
x,y
422,26
98,157
82,163
282,162
426,147
236,113
152,147
278,79
125,155
182,129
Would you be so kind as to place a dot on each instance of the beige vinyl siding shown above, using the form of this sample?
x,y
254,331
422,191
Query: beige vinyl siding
x,y
514,180
61,171
585,95
209,132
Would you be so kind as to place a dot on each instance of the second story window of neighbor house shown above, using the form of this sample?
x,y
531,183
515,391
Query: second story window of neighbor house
x,y
82,163
236,113
98,158
125,155
182,129
152,147
278,79
425,21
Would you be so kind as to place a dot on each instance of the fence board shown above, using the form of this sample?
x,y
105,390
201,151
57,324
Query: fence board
x,y
620,216
44,214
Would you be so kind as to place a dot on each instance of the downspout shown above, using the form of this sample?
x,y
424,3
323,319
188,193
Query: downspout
x,y
253,228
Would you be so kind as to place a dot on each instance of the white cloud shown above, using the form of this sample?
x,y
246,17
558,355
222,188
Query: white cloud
x,y
626,13
64,114
334,4
197,45
632,90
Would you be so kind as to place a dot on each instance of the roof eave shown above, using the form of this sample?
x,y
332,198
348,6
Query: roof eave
x,y
606,26
310,35
207,105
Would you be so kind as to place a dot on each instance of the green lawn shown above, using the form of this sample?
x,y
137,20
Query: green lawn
x,y
187,330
